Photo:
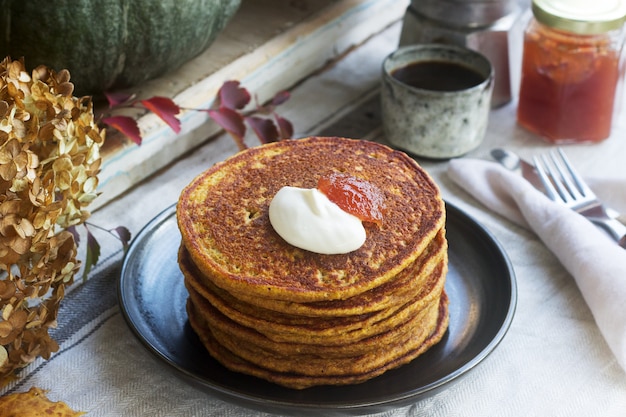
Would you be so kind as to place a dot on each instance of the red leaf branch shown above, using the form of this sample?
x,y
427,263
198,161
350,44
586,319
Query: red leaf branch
x,y
228,113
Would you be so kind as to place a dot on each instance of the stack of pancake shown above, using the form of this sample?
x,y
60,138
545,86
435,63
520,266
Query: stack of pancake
x,y
296,318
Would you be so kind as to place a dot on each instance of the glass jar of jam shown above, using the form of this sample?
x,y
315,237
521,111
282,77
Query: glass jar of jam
x,y
572,68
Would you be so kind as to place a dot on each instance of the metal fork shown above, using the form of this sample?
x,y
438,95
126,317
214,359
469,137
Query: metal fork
x,y
564,185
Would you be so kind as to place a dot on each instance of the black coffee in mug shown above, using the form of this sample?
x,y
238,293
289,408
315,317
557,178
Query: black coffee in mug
x,y
438,76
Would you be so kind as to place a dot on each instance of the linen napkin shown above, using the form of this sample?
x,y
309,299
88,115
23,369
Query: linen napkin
x,y
595,261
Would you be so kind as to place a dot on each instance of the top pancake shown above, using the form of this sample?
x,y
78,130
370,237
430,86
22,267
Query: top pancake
x,y
223,218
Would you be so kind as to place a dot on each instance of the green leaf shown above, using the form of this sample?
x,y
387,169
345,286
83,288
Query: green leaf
x,y
93,254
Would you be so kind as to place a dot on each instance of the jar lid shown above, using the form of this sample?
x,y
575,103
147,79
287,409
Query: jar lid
x,y
585,17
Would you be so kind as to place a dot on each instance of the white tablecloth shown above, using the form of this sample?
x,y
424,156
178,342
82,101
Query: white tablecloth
x,y
552,362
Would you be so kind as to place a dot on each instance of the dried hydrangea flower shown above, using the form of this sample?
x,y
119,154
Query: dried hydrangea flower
x,y
49,161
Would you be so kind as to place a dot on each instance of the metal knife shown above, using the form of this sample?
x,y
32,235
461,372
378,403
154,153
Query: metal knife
x,y
511,161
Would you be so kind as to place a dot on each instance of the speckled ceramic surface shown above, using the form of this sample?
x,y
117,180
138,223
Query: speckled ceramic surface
x,y
435,124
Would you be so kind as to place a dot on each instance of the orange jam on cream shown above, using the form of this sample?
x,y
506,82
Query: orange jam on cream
x,y
354,195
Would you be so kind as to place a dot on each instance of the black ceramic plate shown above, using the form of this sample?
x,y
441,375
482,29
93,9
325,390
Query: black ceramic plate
x,y
480,285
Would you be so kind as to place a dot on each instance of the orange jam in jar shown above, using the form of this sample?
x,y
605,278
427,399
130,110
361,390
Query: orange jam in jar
x,y
572,67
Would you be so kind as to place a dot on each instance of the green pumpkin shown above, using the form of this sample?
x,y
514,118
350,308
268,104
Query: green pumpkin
x,y
110,44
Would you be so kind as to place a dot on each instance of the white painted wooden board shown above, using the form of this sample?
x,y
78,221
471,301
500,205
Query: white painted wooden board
x,y
270,45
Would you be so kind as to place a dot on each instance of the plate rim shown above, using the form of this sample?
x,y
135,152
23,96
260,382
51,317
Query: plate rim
x,y
274,405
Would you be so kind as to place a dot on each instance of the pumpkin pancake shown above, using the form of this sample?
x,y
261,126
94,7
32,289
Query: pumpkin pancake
x,y
296,380
297,318
282,327
362,361
322,347
224,222
398,291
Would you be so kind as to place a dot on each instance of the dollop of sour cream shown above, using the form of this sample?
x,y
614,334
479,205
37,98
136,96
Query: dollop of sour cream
x,y
307,219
